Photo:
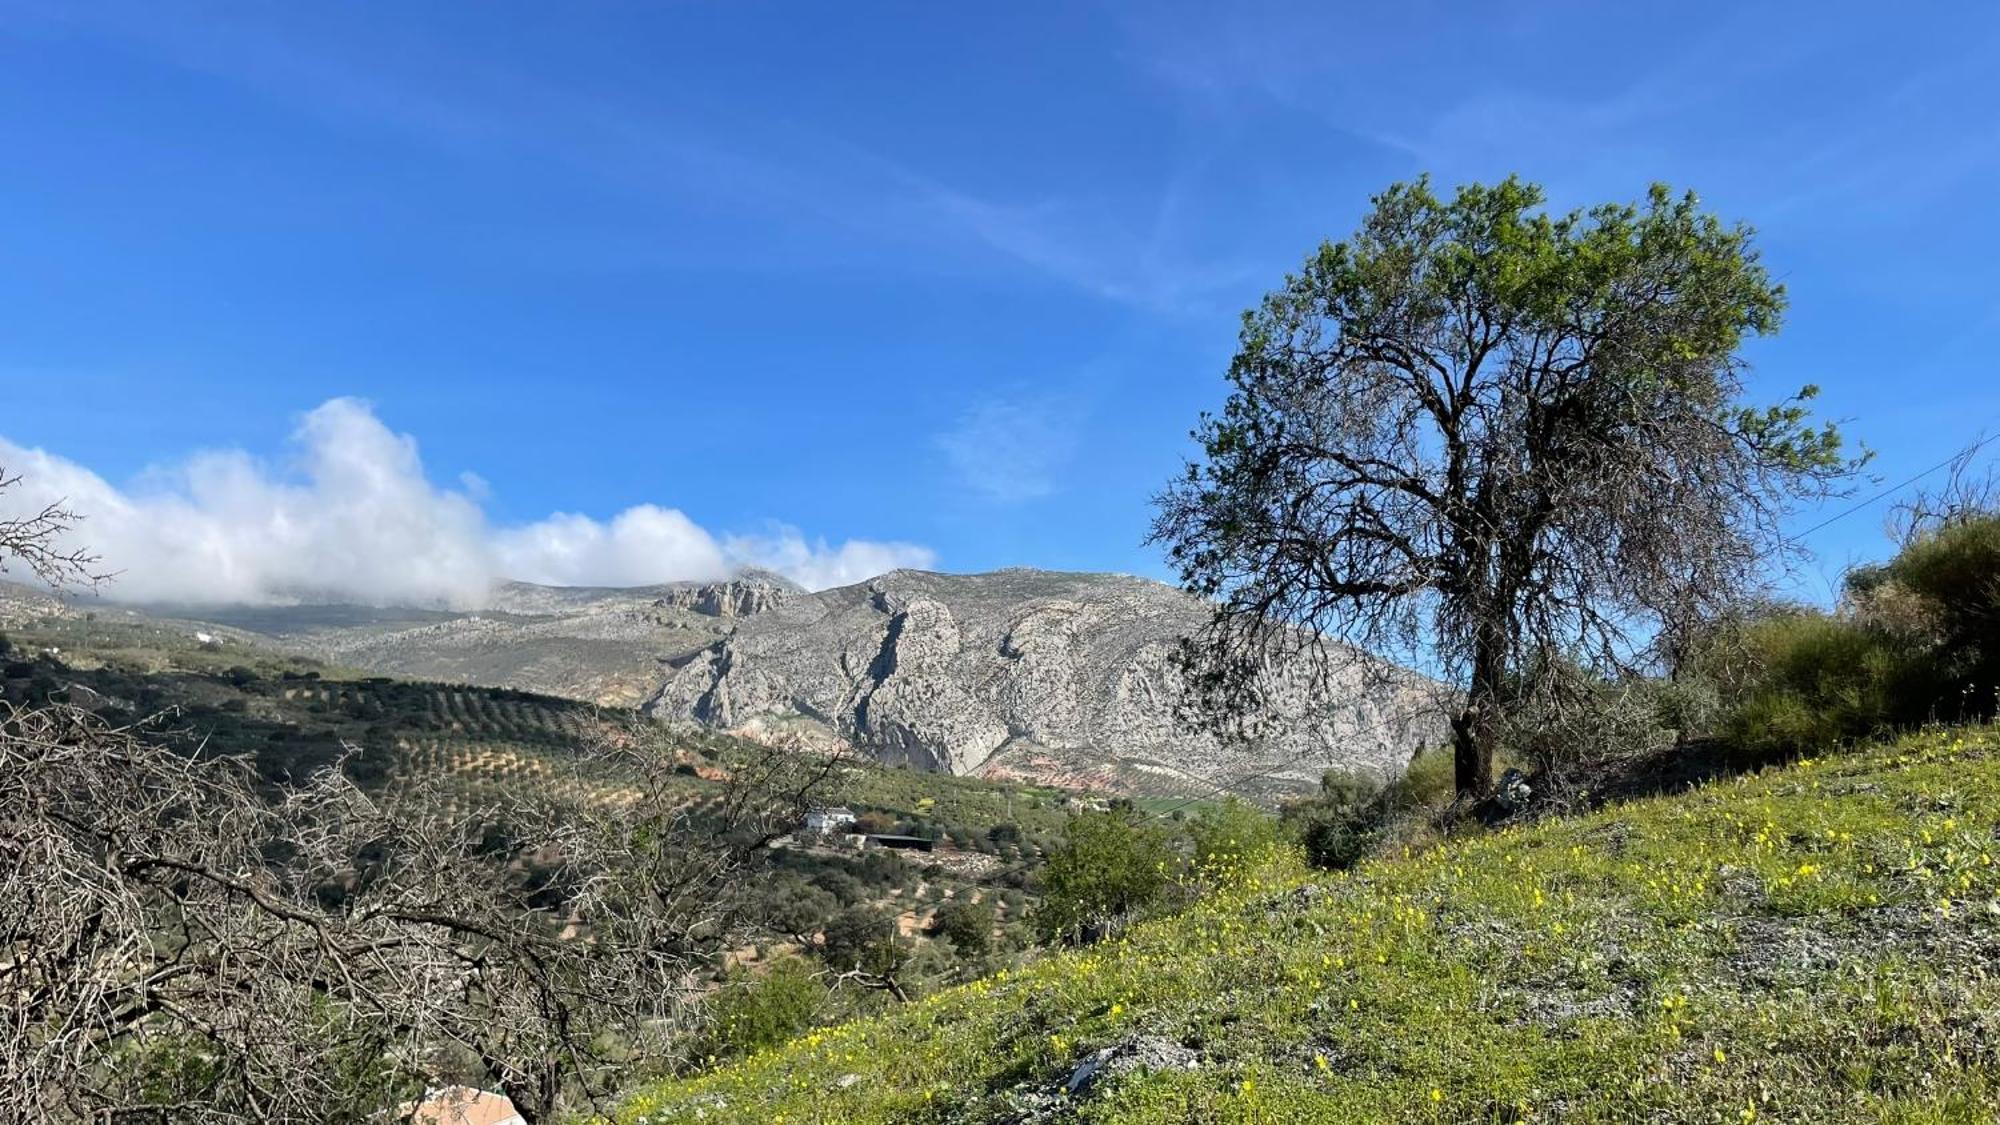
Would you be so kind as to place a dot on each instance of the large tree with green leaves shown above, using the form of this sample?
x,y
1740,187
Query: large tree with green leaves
x,y
1492,440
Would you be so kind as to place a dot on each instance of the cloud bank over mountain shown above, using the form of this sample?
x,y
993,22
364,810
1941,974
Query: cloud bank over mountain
x,y
358,520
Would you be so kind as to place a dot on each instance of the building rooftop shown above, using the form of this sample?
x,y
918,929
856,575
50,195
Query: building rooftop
x,y
463,1105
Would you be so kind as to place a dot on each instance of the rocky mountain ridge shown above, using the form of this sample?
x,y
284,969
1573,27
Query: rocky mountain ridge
x,y
1031,673
1046,676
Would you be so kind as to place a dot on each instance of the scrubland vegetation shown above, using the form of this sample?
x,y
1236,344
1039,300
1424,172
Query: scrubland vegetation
x,y
328,776
1810,943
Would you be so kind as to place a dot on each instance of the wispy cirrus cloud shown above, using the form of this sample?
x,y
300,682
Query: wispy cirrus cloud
x,y
1618,120
1013,450
1092,250
1108,248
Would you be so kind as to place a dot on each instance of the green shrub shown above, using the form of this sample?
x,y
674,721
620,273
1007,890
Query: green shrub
x,y
1814,680
755,1010
1917,640
1336,841
1111,868
967,925
1953,573
1354,817
1348,789
1427,784
1231,838
860,938
1686,706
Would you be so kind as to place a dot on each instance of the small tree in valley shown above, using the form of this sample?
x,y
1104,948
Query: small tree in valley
x,y
1110,868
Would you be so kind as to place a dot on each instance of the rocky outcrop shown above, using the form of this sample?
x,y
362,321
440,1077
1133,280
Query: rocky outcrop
x,y
1062,677
738,597
750,591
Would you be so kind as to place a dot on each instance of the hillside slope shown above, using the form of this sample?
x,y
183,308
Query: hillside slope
x,y
1810,944
599,645
472,751
1047,677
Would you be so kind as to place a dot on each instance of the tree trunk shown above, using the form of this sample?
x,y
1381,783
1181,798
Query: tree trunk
x,y
525,1104
534,1099
1476,730
1472,742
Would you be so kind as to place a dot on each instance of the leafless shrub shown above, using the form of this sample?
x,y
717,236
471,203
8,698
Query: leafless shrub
x,y
178,943
1966,494
33,541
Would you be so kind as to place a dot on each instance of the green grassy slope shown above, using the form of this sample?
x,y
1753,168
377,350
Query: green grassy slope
x,y
1810,944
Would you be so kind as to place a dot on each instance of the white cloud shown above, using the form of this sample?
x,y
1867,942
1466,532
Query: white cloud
x,y
1012,451
817,566
356,519
639,545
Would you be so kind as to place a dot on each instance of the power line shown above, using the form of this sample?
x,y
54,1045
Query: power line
x,y
1968,451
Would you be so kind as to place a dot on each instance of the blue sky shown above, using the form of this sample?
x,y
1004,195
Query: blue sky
x,y
947,281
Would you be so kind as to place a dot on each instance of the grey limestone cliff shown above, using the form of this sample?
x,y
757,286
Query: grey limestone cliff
x,y
1061,677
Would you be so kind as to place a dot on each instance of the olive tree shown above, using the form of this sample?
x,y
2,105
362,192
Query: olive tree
x,y
1490,439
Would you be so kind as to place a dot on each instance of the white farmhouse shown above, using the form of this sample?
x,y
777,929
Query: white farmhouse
x,y
828,821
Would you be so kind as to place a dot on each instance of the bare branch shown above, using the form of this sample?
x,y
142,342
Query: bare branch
x,y
36,541
328,955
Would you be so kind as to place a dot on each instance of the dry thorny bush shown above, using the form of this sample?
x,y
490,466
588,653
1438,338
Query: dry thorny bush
x,y
179,941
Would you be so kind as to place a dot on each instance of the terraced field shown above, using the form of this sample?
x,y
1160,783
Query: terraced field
x,y
504,716
228,695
